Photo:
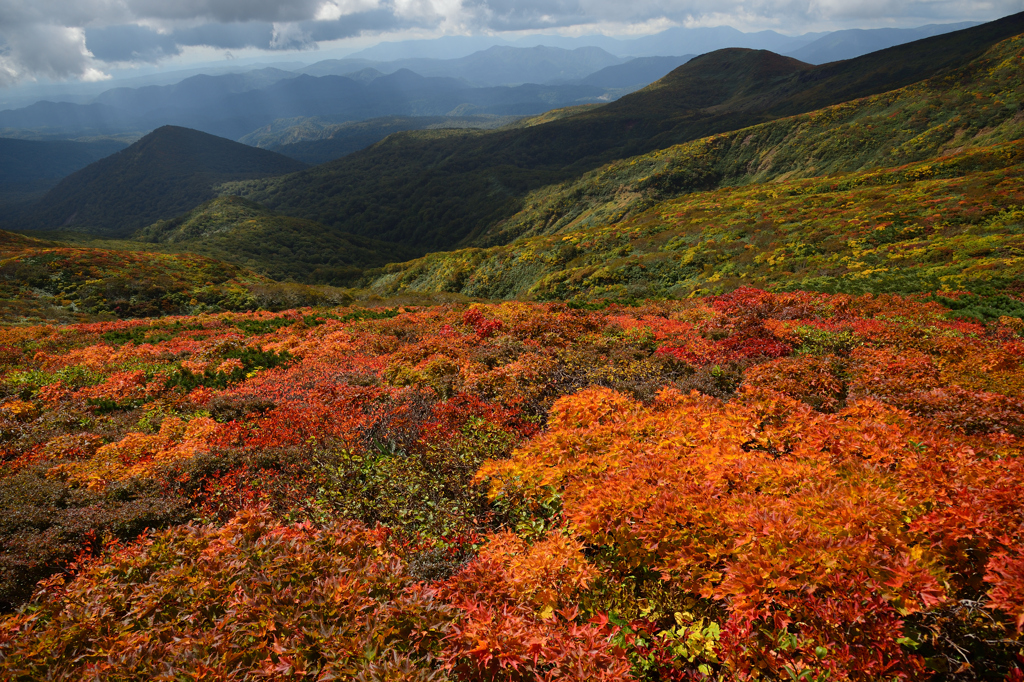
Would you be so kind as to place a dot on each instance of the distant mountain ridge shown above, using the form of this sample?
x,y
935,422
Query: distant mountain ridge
x,y
855,42
164,174
439,192
637,72
199,90
672,41
30,167
498,65
209,103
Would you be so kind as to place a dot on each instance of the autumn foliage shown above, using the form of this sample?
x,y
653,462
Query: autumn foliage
x,y
750,486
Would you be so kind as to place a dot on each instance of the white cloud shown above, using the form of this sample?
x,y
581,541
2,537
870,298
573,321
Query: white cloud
x,y
290,36
41,50
47,38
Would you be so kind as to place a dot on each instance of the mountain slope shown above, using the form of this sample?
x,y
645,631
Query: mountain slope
x,y
946,126
951,223
636,72
974,106
439,191
241,232
164,174
30,167
856,42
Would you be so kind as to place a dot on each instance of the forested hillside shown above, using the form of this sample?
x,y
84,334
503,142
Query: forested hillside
x,y
437,191
166,173
239,231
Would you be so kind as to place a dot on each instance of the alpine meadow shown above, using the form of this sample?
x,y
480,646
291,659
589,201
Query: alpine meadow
x,y
533,363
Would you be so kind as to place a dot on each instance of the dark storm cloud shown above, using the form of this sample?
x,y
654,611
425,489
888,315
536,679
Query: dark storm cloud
x,y
78,38
132,43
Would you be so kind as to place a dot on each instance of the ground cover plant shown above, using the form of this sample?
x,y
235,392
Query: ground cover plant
x,y
754,485
45,280
456,189
951,222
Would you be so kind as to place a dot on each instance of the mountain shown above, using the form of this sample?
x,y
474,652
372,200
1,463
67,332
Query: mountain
x,y
861,232
210,105
856,42
164,174
314,141
237,231
62,117
439,191
831,200
30,167
636,73
497,65
198,91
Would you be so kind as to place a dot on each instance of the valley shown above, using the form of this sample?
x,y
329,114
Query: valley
x,y
697,367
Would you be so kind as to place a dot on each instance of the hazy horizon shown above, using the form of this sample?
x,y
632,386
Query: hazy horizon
x,y
50,42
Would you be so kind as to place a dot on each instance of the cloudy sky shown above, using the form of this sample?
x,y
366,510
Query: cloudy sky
x,y
85,39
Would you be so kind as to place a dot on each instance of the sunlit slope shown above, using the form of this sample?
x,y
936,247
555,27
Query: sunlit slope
x,y
242,232
437,191
41,279
977,105
945,224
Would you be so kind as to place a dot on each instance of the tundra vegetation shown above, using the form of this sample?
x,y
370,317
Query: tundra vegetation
x,y
753,485
755,413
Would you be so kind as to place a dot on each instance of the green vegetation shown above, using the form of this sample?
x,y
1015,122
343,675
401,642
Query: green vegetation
x,y
944,224
315,140
974,106
242,232
44,280
440,191
636,228
166,173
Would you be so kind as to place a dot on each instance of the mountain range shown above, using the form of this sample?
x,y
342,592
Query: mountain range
x,y
441,191
201,103
166,173
738,357
734,116
562,72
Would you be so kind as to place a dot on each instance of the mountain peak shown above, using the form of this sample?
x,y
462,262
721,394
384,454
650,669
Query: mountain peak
x,y
722,77
167,172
